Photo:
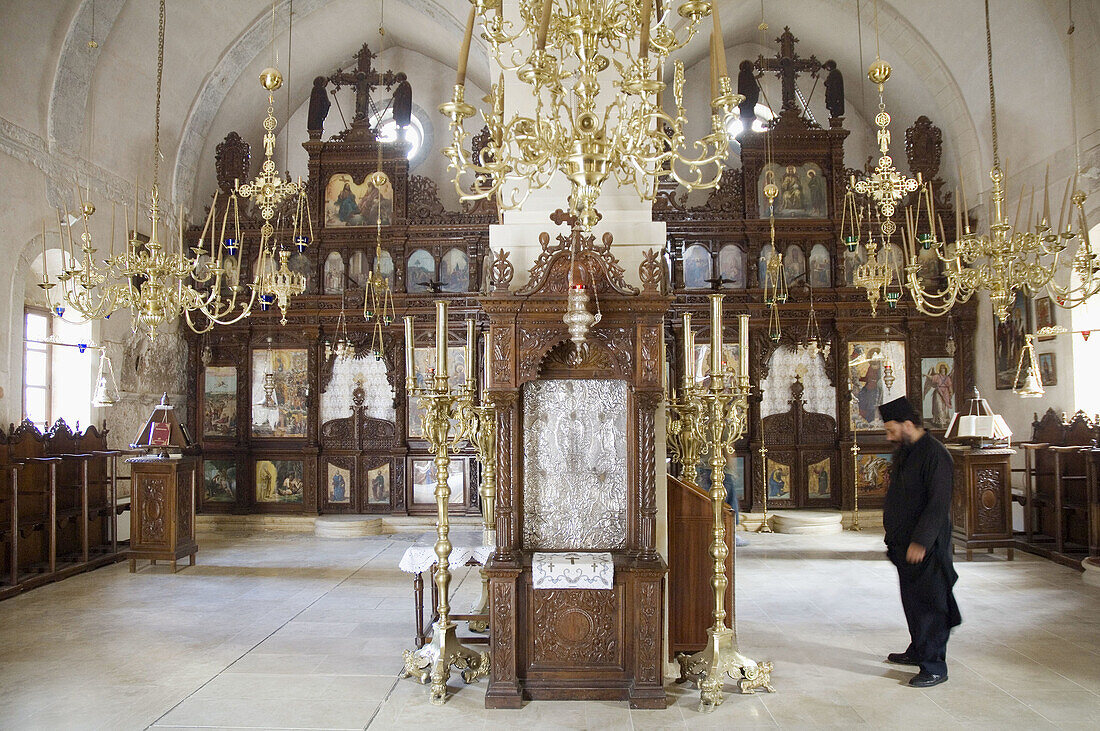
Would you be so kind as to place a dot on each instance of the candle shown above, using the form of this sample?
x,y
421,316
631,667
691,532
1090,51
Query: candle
x,y
410,374
485,367
715,335
743,338
464,52
719,43
45,261
688,364
441,343
469,353
644,51
713,68
544,24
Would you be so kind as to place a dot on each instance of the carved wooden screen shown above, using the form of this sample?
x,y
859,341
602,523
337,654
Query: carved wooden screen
x,y
575,465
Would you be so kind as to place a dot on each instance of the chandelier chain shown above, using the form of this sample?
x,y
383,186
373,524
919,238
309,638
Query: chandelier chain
x,y
160,76
992,97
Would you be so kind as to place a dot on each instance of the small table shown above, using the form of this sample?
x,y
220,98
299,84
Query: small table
x,y
417,560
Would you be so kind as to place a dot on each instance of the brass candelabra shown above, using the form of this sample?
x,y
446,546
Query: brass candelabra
x,y
764,527
723,406
484,439
448,420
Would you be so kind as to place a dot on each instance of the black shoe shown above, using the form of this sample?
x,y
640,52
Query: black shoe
x,y
927,680
902,658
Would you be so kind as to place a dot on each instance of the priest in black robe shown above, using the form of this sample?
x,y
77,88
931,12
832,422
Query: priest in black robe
x,y
917,519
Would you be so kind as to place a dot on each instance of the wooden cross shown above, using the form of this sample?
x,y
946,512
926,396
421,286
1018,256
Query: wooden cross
x,y
364,78
787,65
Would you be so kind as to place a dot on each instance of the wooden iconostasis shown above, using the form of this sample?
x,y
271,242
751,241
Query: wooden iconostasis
x,y
283,427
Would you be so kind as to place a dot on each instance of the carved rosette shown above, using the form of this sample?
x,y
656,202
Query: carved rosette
x,y
574,627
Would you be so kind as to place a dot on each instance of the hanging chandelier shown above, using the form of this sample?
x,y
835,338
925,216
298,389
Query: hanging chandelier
x,y
1008,258
377,293
775,274
560,49
158,282
340,347
881,190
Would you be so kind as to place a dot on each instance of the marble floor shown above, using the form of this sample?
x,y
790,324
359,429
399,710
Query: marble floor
x,y
292,631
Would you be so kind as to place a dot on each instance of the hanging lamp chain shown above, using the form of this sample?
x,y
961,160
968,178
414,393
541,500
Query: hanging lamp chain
x,y
992,96
160,76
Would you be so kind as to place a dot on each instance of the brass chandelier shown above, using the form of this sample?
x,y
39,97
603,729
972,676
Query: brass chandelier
x,y
1008,258
158,282
561,49
882,190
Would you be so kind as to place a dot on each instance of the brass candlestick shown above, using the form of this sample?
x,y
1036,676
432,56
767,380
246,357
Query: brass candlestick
x,y
855,470
855,487
442,405
764,527
724,408
484,439
684,431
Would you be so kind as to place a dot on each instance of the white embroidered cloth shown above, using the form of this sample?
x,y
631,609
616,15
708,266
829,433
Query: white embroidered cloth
x,y
418,559
573,570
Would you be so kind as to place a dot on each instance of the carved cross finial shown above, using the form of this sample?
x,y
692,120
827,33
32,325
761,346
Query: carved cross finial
x,y
787,65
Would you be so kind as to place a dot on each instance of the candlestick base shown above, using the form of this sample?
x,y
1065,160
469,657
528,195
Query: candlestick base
x,y
708,668
433,661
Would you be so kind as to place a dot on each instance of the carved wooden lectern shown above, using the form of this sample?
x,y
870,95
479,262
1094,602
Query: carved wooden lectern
x,y
576,473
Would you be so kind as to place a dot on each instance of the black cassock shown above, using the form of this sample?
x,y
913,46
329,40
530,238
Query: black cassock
x,y
918,510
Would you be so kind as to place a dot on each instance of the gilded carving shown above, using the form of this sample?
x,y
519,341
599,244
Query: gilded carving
x,y
575,627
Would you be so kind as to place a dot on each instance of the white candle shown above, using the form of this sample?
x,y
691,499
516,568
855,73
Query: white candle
x,y
410,374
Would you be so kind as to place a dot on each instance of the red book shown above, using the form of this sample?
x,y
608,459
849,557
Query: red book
x,y
160,434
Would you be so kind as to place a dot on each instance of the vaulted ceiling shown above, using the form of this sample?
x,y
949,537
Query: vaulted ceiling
x,y
97,103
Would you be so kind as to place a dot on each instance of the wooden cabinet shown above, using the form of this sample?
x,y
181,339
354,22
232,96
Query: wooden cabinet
x,y
162,510
981,506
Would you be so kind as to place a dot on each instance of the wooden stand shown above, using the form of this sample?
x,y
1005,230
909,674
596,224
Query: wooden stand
x,y
162,510
981,507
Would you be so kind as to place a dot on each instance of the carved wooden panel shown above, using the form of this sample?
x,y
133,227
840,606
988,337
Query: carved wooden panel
x,y
649,624
989,487
503,607
154,527
184,497
574,627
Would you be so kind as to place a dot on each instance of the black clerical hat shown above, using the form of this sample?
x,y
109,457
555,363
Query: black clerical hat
x,y
899,410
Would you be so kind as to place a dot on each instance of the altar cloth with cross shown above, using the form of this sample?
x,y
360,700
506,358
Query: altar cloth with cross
x,y
573,570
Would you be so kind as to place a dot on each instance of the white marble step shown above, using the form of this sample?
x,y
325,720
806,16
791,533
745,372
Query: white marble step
x,y
807,522
346,526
